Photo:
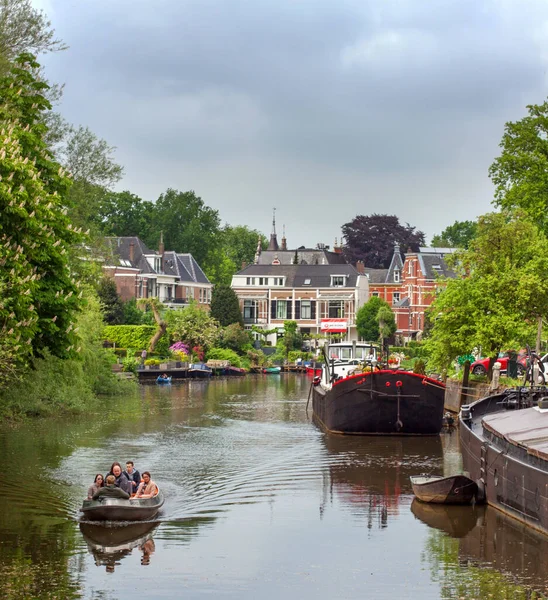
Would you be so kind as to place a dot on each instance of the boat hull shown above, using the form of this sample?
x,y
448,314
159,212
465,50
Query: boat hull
x,y
118,509
457,489
381,403
511,479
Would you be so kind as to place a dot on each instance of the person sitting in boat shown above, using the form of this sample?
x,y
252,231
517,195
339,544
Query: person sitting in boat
x,y
134,477
110,490
163,375
120,479
97,484
147,487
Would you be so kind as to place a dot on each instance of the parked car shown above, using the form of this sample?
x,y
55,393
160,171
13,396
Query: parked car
x,y
479,367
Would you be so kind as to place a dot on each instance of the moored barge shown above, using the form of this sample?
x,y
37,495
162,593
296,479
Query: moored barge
x,y
504,442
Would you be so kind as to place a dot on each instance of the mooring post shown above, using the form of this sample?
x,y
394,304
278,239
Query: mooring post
x,y
496,376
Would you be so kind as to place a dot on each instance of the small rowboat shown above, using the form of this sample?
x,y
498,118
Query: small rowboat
x,y
272,370
162,380
119,509
457,489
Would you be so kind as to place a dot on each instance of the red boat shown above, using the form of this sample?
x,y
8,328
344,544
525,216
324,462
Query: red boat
x,y
313,371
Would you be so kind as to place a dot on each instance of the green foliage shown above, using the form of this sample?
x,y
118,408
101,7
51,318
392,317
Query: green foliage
x,y
291,340
131,314
130,364
367,322
225,354
235,338
295,354
257,358
520,173
225,306
40,296
194,326
152,361
113,308
458,235
419,367
129,336
125,214
239,244
501,291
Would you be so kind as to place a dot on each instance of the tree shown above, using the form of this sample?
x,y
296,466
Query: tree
x,y
520,173
234,337
155,306
194,326
239,243
500,291
367,321
40,295
458,235
24,29
372,239
386,322
111,303
225,306
188,225
125,214
292,339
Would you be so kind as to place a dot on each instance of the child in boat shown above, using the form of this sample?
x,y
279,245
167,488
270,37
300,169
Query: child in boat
x,y
98,483
147,487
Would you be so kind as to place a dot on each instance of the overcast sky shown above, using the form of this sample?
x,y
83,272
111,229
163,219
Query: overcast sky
x,y
322,109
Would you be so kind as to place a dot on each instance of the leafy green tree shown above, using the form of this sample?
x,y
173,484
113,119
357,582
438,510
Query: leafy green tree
x,y
386,322
367,321
41,296
132,314
125,214
500,291
194,326
234,337
188,225
458,235
291,340
520,173
225,306
239,243
113,308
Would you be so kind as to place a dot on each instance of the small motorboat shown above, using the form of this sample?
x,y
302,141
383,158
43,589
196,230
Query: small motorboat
x,y
119,509
199,370
456,489
272,370
163,380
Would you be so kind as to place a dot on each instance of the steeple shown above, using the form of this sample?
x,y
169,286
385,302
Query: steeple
x,y
273,245
284,241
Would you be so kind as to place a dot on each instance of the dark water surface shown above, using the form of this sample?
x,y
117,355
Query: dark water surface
x,y
259,504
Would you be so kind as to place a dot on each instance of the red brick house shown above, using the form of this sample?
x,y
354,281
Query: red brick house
x,y
139,272
409,285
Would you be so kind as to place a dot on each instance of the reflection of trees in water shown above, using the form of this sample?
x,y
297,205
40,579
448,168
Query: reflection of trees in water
x,y
369,474
498,558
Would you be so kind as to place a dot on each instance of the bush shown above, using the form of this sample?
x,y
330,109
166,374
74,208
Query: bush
x,y
295,354
130,364
135,336
225,354
152,361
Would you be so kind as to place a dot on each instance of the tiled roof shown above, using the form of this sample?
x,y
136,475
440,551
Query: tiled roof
x,y
376,275
193,268
120,249
309,256
296,275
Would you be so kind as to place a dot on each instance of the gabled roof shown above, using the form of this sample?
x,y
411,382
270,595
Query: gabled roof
x,y
120,252
296,275
434,266
376,275
193,268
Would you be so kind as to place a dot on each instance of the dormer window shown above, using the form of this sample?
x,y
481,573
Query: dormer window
x,y
337,280
396,275
306,282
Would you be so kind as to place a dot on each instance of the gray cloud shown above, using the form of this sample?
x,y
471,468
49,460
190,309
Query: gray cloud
x,y
324,109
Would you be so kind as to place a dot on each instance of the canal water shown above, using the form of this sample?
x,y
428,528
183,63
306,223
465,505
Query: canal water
x,y
259,504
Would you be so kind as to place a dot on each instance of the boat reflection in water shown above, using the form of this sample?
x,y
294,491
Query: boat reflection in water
x,y
456,521
510,547
369,474
110,544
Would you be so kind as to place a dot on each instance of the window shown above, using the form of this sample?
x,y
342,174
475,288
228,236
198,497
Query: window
x,y
263,280
281,309
396,275
307,282
306,309
335,309
375,294
278,281
250,310
395,297
250,281
337,280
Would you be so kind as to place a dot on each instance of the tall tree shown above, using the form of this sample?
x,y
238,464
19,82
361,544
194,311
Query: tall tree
x,y
125,214
501,291
239,243
520,173
188,226
40,294
367,320
372,239
111,303
225,306
458,235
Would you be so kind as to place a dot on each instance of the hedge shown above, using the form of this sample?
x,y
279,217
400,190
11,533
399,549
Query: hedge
x,y
411,351
225,354
135,336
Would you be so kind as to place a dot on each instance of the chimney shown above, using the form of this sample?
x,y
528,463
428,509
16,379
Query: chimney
x,y
131,252
244,265
360,267
336,248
